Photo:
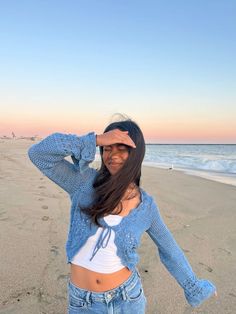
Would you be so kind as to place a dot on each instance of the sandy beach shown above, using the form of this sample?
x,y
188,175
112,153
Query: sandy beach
x,y
34,215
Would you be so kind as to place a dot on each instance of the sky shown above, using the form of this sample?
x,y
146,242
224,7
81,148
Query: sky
x,y
69,66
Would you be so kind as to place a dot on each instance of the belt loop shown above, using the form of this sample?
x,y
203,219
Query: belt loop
x,y
88,297
124,295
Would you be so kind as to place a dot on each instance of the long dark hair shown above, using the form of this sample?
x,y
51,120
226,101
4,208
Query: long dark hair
x,y
109,189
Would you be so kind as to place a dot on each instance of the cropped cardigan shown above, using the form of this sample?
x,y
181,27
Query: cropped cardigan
x,y
77,178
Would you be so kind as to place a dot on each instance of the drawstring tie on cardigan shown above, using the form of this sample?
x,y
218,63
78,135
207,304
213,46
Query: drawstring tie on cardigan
x,y
102,240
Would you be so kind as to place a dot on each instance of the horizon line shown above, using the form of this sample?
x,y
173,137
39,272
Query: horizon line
x,y
190,143
40,138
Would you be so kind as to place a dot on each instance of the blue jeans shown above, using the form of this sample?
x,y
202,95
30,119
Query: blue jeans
x,y
128,298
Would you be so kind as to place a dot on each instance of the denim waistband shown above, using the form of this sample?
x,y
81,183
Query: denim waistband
x,y
109,294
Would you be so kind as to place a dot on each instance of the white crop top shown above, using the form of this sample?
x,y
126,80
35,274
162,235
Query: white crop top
x,y
99,252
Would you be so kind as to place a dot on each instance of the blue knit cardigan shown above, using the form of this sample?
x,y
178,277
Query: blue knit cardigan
x,y
77,178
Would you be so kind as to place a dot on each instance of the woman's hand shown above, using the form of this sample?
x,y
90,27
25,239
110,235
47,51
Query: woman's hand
x,y
114,137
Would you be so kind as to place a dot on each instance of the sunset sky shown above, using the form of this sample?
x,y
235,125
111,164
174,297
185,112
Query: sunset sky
x,y
68,66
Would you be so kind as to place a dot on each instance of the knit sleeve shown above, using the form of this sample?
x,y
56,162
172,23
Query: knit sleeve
x,y
49,157
196,290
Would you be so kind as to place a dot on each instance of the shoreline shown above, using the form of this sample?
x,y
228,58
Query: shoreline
x,y
229,179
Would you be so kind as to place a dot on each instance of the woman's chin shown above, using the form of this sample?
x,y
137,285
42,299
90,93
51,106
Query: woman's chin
x,y
113,169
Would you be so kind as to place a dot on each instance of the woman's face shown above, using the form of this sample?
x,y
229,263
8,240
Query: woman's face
x,y
114,156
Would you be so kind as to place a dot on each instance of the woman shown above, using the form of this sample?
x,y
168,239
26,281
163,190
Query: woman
x,y
109,214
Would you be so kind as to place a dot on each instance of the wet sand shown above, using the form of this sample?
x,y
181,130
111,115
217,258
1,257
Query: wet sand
x,y
34,215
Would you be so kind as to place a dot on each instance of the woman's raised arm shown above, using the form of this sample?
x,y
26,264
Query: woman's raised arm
x,y
49,157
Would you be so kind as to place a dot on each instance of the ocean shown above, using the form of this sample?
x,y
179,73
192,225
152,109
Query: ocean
x,y
212,161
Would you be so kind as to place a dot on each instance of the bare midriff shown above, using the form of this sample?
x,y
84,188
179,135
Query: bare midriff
x,y
97,282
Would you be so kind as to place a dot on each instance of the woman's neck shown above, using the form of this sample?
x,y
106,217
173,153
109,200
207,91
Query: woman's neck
x,y
131,192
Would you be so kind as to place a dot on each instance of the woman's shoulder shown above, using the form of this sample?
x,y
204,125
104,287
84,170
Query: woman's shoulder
x,y
148,201
146,197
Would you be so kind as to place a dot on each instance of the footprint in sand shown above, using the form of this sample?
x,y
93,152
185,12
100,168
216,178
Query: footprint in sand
x,y
54,249
197,237
3,217
45,207
40,199
45,218
186,226
62,277
224,250
208,268
42,187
